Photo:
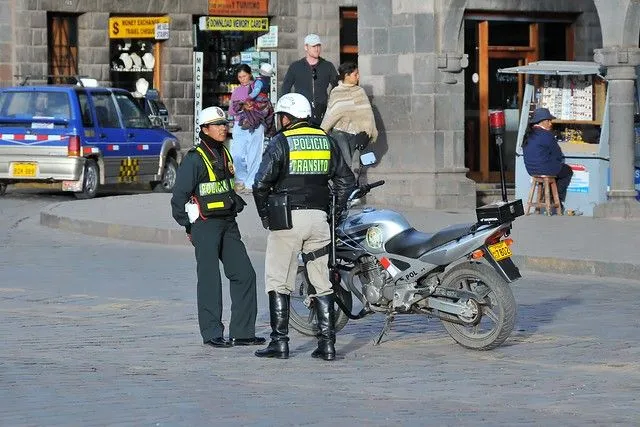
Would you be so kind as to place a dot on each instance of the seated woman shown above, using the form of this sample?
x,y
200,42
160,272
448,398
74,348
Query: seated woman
x,y
542,154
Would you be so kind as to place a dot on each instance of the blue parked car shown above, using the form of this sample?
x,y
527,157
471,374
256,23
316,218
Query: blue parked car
x,y
82,137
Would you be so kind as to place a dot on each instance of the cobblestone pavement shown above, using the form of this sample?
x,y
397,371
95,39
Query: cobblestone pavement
x,y
103,332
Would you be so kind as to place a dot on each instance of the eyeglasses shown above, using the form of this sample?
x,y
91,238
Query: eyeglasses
x,y
314,73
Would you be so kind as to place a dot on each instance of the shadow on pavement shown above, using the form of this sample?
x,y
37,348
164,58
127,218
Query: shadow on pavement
x,y
531,317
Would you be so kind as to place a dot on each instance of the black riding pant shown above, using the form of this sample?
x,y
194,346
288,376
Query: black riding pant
x,y
215,240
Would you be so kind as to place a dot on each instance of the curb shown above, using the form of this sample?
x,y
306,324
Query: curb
x,y
258,243
578,267
133,233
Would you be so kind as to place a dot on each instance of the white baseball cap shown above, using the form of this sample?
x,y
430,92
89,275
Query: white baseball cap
x,y
312,40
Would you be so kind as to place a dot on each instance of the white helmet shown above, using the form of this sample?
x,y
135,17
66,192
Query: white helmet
x,y
294,104
212,116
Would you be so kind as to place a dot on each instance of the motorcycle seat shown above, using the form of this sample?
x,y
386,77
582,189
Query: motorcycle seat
x,y
412,243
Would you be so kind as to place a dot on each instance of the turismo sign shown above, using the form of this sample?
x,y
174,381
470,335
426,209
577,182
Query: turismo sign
x,y
137,27
238,7
231,23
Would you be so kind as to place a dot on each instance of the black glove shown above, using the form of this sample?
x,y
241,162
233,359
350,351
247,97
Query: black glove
x,y
265,222
362,140
240,203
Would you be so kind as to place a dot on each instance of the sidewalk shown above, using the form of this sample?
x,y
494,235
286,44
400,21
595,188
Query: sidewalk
x,y
571,245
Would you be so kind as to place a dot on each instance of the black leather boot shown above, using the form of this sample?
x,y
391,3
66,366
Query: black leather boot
x,y
279,313
327,331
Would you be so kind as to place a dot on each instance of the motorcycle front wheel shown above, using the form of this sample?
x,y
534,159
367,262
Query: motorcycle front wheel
x,y
497,311
302,318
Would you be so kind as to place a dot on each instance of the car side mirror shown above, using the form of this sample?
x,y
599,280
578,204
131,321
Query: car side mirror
x,y
368,159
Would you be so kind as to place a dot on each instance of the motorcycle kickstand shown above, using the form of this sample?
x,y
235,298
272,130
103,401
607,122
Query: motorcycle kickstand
x,y
385,328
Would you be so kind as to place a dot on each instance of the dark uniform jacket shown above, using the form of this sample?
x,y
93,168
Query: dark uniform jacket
x,y
300,76
542,154
192,172
305,175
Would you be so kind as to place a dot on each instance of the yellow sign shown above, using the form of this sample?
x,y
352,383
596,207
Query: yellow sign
x,y
230,23
136,27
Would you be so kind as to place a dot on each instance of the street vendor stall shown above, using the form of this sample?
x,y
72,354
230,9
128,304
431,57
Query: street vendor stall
x,y
576,94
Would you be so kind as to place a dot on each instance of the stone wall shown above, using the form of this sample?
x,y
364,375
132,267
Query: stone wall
x,y
419,109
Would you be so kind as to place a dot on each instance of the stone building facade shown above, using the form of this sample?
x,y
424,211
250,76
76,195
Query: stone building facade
x,y
410,54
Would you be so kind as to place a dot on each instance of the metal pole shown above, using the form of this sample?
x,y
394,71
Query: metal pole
x,y
503,185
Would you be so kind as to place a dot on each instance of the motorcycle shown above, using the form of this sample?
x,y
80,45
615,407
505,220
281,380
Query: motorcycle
x,y
460,274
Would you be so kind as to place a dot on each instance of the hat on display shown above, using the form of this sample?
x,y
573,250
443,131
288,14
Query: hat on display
x,y
266,69
142,86
137,61
312,40
149,60
212,116
541,114
126,60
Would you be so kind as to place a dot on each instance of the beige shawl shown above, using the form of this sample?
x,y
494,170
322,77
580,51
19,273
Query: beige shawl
x,y
349,111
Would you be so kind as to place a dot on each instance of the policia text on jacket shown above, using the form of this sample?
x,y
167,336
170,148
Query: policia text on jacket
x,y
308,155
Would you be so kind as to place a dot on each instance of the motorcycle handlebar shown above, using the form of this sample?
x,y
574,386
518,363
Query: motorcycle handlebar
x,y
374,185
364,189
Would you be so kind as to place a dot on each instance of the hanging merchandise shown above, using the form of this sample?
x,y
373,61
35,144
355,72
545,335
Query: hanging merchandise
x,y
134,48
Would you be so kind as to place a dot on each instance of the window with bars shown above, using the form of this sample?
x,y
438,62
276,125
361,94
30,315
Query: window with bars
x,y
62,35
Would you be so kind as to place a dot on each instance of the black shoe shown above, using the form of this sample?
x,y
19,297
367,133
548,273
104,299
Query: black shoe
x,y
218,342
275,349
248,341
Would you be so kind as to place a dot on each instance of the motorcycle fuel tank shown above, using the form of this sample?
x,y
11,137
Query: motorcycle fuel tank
x,y
372,228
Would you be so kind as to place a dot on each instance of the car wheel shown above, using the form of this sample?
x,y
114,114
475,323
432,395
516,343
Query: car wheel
x,y
3,188
91,180
169,176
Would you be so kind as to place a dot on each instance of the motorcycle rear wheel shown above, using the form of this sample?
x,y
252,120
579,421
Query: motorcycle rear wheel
x,y
302,318
498,308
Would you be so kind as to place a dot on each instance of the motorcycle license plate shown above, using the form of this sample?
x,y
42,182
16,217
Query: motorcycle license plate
x,y
24,170
500,251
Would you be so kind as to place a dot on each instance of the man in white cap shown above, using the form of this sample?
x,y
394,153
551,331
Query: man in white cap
x,y
313,77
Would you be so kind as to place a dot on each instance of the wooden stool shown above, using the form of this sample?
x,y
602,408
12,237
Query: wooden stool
x,y
546,186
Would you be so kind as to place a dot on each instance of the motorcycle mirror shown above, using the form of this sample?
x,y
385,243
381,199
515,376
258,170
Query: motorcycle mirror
x,y
368,159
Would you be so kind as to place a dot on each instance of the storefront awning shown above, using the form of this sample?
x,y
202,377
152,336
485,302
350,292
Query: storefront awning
x,y
555,68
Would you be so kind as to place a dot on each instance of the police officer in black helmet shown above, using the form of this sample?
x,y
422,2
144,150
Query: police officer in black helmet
x,y
205,184
296,168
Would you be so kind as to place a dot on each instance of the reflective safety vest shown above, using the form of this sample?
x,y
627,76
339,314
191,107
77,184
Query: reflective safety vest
x,y
309,151
215,197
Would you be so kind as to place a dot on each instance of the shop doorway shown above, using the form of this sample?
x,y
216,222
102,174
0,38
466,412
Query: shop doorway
x,y
222,52
492,43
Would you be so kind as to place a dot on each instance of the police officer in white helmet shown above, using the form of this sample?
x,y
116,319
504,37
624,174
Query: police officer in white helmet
x,y
205,184
292,197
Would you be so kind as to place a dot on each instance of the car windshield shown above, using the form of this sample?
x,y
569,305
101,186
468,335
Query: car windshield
x,y
29,104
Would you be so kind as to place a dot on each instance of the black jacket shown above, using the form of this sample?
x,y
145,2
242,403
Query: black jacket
x,y
300,76
192,172
305,191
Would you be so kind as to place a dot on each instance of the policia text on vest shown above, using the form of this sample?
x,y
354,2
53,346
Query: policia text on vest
x,y
309,154
215,197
